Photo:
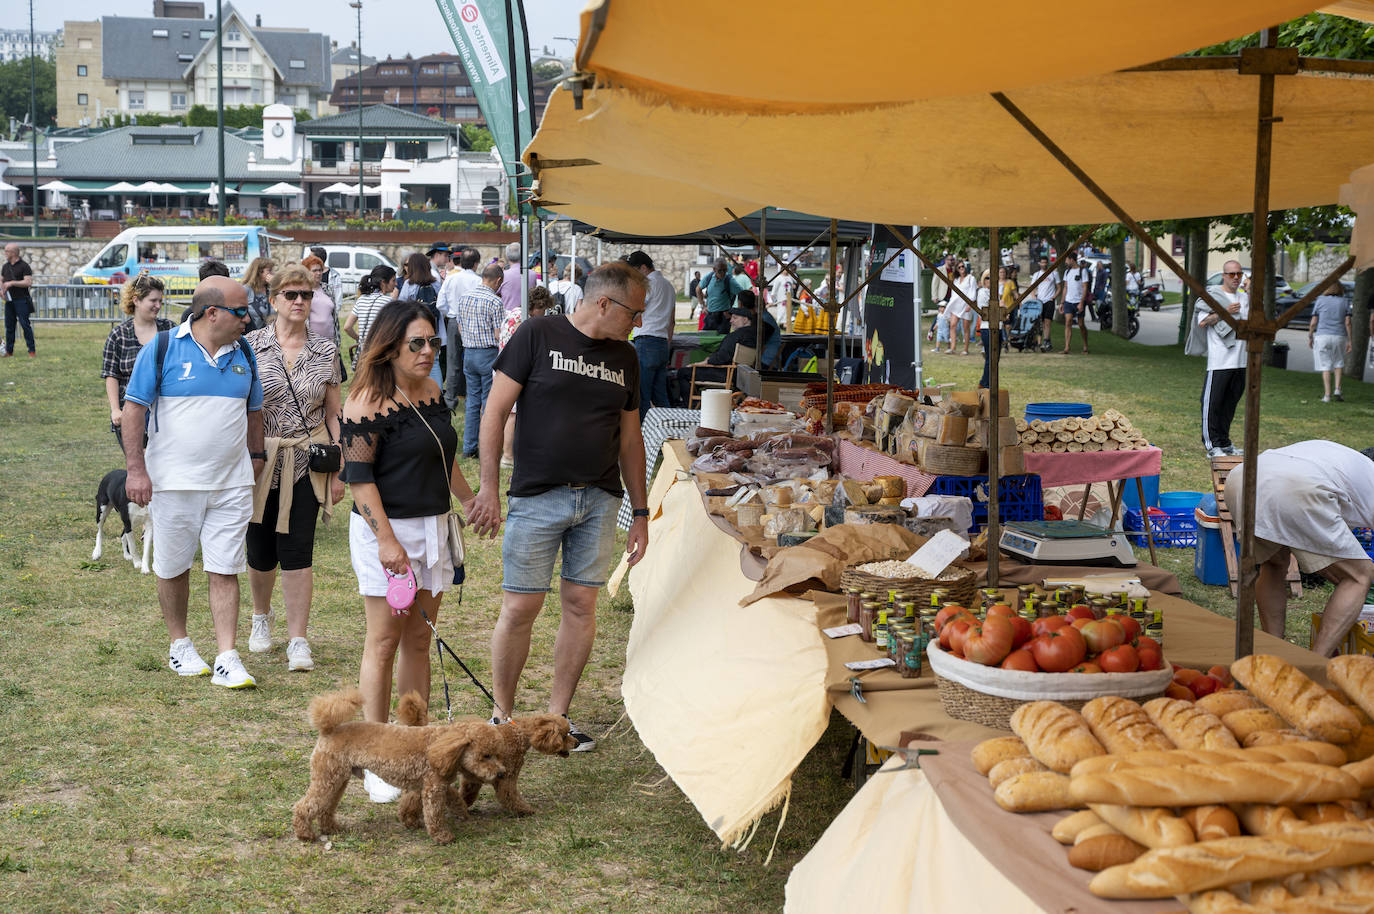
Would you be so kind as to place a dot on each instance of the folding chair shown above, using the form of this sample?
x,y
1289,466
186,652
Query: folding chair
x,y
742,355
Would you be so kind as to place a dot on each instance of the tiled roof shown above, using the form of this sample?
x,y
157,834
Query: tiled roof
x,y
192,155
376,119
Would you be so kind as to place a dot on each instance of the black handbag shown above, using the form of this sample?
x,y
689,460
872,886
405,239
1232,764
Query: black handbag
x,y
324,458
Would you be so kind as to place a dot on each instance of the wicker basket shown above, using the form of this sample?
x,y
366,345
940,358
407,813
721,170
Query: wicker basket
x,y
965,701
961,588
950,460
814,398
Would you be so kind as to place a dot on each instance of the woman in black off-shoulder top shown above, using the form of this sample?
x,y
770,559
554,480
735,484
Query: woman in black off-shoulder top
x,y
398,450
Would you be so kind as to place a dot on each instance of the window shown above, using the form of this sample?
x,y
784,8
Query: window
x,y
287,98
233,34
185,57
178,99
113,256
412,150
462,91
297,64
338,260
84,44
186,33
242,54
135,101
159,33
81,99
327,153
366,261
466,112
373,151
81,69
206,33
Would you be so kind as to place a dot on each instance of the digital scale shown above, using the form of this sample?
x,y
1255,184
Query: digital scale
x,y
1066,542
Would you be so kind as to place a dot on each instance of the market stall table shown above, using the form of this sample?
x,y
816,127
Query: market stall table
x,y
1112,467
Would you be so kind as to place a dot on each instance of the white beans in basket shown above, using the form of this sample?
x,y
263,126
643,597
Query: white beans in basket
x,y
901,571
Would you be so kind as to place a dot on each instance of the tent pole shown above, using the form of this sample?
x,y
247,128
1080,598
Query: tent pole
x,y
918,305
543,249
758,302
830,333
971,302
994,400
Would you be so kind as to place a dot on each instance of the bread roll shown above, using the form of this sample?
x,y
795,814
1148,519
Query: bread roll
x,y
1098,853
1150,826
1266,819
1036,791
1358,879
1223,703
1122,726
1203,785
1362,746
1211,822
1263,739
1354,675
1321,813
989,752
1188,726
1219,901
1300,701
1244,723
1010,768
1322,753
1212,864
1055,736
1268,891
1067,828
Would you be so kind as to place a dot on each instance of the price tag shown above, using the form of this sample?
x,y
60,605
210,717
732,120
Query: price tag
x,y
941,549
840,631
870,664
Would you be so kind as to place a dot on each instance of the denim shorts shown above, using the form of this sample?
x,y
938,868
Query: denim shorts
x,y
581,519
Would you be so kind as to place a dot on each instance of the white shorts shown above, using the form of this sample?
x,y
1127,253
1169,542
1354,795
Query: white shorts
x,y
216,521
1328,352
425,541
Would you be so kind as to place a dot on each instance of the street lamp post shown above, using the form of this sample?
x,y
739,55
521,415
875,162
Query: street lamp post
x,y
219,101
358,5
33,120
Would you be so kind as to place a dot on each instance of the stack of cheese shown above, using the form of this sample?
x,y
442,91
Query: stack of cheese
x,y
1173,804
1110,431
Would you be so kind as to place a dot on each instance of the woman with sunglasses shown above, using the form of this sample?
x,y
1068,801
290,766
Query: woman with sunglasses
x,y
299,370
141,299
398,451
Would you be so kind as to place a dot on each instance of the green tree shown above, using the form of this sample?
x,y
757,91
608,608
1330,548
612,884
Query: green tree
x,y
14,91
479,139
548,70
234,116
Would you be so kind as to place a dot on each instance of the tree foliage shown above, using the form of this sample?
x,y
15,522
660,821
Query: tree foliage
x,y
479,139
234,116
14,90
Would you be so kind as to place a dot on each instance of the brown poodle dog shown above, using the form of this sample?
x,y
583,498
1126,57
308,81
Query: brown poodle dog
x,y
547,733
421,760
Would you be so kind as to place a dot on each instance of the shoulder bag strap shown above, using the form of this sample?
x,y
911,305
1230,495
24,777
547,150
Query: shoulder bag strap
x,y
433,433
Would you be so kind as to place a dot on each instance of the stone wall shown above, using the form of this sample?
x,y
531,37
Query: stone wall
x,y
55,261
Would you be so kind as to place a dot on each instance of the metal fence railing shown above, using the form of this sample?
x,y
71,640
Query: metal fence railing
x,y
77,303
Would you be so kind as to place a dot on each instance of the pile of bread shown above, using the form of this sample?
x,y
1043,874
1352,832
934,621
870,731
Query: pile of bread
x,y
1111,431
1172,803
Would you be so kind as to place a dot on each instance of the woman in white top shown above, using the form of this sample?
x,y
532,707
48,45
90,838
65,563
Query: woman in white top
x,y
375,290
969,286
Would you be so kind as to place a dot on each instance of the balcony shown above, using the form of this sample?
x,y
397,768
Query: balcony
x,y
341,168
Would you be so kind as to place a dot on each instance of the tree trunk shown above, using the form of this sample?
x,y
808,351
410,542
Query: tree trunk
x,y
1117,278
1195,263
1359,325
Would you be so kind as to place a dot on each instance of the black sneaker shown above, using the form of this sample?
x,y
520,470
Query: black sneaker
x,y
584,742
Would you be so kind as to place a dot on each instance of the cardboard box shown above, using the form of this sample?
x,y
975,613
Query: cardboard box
x,y
1011,461
985,403
978,433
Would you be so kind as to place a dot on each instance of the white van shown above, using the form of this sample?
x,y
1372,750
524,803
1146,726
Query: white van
x,y
351,262
173,254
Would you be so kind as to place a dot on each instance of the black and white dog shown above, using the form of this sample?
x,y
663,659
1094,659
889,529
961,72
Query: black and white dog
x,y
111,494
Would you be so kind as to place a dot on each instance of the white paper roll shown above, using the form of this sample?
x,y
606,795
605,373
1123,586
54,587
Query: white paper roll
x,y
715,409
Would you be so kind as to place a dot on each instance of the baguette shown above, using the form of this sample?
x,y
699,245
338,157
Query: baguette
x,y
1152,827
1203,785
1212,822
1267,892
1353,674
1122,726
1244,723
1188,726
1010,768
1067,828
989,752
1362,771
1055,736
1322,753
1362,746
1212,864
1035,791
1262,739
1220,901
1223,703
1264,819
1357,879
1098,853
1094,831
1299,700
1321,813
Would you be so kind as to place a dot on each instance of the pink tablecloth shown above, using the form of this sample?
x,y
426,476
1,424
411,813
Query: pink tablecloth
x,y
1095,466
862,463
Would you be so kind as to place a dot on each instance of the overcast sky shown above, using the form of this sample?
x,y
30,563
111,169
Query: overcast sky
x,y
395,27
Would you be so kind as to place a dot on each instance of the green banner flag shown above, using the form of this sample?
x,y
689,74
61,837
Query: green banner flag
x,y
490,36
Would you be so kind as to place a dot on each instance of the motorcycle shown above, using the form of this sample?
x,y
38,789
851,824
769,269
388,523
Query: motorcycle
x,y
1152,296
1104,313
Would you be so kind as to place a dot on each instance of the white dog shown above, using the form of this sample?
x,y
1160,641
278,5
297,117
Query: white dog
x,y
109,495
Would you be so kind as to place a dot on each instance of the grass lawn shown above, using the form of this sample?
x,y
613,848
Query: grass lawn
x,y
128,788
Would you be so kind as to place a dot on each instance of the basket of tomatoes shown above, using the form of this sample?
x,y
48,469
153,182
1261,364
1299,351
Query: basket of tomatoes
x,y
986,669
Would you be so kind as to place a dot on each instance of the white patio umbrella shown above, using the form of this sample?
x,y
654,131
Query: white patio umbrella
x,y
121,187
282,189
61,187
338,187
6,186
352,191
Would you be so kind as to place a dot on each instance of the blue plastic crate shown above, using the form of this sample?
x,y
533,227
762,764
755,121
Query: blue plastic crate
x,y
1366,537
1018,497
1173,528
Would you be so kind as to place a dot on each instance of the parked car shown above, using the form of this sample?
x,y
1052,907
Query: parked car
x,y
1281,286
174,254
352,262
1304,317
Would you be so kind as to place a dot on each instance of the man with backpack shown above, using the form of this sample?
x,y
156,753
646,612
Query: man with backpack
x,y
205,449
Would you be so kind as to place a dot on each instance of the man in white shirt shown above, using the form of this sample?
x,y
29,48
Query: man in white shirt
x,y
1074,296
1225,381
780,295
1046,285
459,281
654,338
440,257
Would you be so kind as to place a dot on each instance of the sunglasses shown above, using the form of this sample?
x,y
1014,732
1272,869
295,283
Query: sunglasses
x,y
416,343
240,313
294,294
1233,274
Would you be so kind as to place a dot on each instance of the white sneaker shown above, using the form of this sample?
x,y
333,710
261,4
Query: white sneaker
x,y
1216,452
260,638
229,672
298,655
184,660
1233,451
379,791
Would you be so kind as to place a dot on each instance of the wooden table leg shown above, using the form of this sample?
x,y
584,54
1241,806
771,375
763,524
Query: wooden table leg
x,y
1083,505
1145,515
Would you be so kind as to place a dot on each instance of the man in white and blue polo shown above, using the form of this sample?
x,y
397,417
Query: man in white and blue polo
x,y
200,384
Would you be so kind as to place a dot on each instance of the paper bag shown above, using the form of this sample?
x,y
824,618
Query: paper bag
x,y
826,555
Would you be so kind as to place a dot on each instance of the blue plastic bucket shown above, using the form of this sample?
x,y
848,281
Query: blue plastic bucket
x,y
1176,500
1209,563
1132,500
1048,412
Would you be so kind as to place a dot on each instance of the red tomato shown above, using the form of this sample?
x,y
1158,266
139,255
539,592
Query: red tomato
x,y
1204,685
1021,659
1144,641
1001,609
1081,624
1185,676
1120,659
1049,624
1221,674
1181,692
1061,650
1081,612
958,633
990,642
948,614
1088,667
1149,659
1020,632
1103,635
1130,626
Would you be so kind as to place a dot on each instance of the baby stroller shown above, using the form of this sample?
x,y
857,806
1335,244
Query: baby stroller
x,y
1024,332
